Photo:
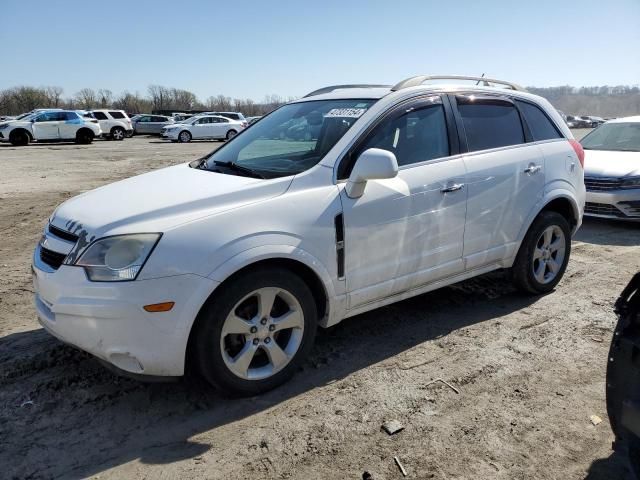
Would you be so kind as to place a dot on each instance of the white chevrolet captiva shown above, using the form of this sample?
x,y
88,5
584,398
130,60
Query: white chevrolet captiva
x,y
353,197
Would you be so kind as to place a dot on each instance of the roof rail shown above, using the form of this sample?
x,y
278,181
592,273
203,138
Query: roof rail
x,y
320,91
420,79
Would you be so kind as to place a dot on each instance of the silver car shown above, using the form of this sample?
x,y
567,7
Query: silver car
x,y
150,124
612,169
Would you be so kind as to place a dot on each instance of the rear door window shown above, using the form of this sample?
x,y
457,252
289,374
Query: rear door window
x,y
539,124
100,116
489,123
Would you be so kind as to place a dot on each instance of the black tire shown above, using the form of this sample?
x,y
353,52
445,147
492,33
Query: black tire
x,y
230,134
187,136
117,133
84,136
206,337
523,267
19,138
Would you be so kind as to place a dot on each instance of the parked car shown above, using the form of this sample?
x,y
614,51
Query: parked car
x,y
252,120
623,377
231,115
203,127
182,117
578,122
595,121
115,124
612,169
233,260
150,124
50,126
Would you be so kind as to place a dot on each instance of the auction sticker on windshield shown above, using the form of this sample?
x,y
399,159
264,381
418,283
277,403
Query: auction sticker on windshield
x,y
346,112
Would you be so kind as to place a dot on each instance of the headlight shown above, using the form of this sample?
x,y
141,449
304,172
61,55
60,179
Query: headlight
x,y
119,258
631,182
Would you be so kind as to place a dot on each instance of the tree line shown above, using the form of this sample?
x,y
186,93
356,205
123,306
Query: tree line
x,y
17,100
604,101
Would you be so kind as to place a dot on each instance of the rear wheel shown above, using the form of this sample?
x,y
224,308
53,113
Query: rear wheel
x,y
19,138
231,134
251,336
544,254
117,133
184,137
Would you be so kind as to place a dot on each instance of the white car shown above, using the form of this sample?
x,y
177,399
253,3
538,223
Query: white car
x,y
115,124
50,126
235,259
612,169
203,127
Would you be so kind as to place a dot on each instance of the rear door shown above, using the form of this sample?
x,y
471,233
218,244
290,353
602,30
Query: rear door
x,y
505,176
69,124
142,124
156,124
45,126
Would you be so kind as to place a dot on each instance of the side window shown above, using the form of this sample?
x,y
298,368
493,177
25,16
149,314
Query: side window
x,y
541,127
204,120
69,116
47,117
116,114
100,116
223,120
490,123
159,119
414,136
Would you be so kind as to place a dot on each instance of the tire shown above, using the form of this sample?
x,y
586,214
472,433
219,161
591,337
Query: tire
x,y
262,366
84,136
129,134
543,255
231,134
184,136
19,138
117,133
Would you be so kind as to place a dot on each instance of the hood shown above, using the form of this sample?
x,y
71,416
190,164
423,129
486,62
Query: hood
x,y
161,200
603,163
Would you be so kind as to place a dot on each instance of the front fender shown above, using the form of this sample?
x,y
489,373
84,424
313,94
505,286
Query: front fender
x,y
335,307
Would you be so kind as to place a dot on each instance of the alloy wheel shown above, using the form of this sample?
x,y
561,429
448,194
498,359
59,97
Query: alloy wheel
x,y
548,254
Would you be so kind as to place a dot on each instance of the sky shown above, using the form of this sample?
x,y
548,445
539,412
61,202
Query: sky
x,y
248,49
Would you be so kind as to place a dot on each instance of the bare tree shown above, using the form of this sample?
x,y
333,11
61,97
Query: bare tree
x,y
105,98
86,98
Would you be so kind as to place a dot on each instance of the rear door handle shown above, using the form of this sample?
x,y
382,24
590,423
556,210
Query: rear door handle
x,y
452,188
533,169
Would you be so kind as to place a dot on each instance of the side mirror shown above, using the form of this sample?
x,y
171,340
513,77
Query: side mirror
x,y
372,164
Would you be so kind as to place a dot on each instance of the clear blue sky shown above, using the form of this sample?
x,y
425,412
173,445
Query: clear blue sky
x,y
247,48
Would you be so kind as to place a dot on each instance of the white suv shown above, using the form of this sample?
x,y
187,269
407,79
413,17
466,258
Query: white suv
x,y
50,126
115,124
233,260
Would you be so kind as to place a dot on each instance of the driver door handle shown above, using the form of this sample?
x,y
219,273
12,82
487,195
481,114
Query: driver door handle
x,y
533,169
452,188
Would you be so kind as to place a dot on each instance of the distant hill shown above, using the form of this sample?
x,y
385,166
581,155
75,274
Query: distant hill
x,y
620,101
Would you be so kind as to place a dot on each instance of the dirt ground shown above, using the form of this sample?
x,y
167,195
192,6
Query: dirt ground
x,y
529,370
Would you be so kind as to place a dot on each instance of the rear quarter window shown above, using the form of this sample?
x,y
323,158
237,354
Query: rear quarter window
x,y
541,127
117,115
490,123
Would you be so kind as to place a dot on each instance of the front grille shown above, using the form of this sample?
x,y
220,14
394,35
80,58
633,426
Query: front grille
x,y
602,184
51,258
70,237
602,209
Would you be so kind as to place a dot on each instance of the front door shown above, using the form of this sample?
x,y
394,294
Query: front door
x,y
406,232
45,126
202,128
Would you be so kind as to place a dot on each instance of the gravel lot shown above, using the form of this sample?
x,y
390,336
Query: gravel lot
x,y
529,370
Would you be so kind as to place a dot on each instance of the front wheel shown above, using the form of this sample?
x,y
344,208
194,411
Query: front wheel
x,y
544,254
251,336
184,137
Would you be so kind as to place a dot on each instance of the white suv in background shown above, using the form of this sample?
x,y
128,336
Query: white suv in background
x,y
235,259
115,124
203,127
50,126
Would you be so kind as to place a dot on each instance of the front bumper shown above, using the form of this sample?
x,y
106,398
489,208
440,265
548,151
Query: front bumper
x,y
107,319
616,204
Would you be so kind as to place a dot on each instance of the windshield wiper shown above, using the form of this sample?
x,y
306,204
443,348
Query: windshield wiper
x,y
238,168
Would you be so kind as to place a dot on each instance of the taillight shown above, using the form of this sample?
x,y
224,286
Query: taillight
x,y
579,150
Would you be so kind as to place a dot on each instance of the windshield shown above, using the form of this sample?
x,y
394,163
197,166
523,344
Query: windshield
x,y
292,139
619,137
24,116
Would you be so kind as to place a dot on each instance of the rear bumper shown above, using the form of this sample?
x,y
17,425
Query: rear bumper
x,y
616,204
107,320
